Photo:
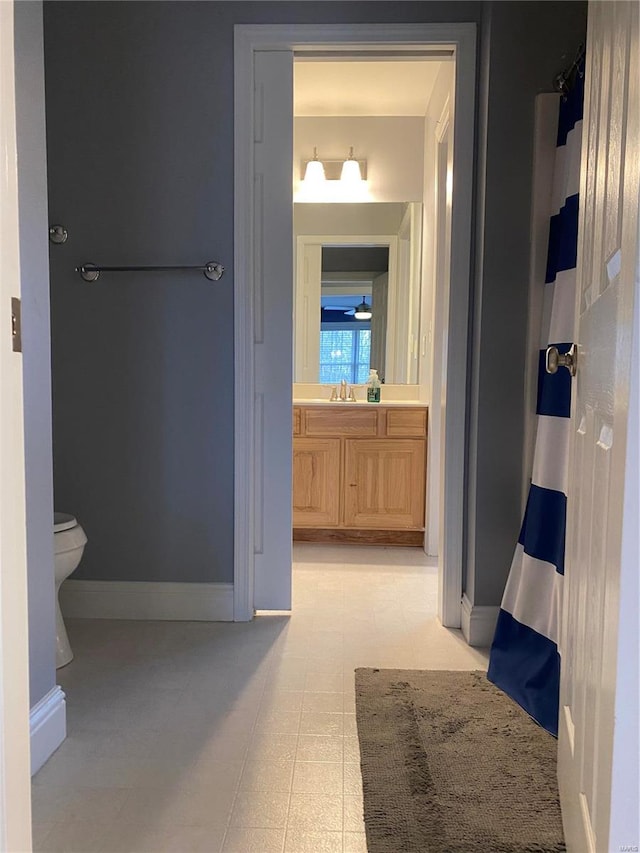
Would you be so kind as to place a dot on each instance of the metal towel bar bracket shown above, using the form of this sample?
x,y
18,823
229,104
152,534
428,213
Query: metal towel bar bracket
x,y
91,272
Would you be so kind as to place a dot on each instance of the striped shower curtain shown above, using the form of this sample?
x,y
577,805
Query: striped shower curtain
x,y
524,659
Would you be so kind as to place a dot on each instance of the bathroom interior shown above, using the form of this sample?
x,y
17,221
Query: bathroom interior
x,y
368,265
133,357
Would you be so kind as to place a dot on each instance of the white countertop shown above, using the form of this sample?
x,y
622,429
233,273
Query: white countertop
x,y
407,404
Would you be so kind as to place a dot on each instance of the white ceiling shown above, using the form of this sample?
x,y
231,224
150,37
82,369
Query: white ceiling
x,y
370,88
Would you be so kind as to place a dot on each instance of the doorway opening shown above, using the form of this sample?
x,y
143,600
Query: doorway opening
x,y
361,477
264,222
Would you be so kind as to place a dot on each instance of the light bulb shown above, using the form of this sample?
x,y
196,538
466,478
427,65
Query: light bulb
x,y
351,170
314,173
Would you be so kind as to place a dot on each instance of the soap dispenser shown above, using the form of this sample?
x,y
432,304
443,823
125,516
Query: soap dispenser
x,y
373,387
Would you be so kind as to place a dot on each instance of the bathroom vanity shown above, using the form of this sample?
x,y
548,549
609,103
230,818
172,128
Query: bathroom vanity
x,y
359,472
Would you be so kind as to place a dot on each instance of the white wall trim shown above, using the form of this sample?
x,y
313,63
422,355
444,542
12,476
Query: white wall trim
x,y
207,602
248,39
478,623
47,726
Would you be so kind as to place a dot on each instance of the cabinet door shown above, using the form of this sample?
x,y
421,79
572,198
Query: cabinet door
x,y
316,482
384,483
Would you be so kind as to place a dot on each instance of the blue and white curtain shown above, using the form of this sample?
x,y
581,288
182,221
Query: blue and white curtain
x,y
524,658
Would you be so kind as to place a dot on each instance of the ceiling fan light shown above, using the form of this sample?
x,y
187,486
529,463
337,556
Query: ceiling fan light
x,y
363,311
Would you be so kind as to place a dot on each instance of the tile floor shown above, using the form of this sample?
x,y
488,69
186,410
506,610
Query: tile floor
x,y
223,737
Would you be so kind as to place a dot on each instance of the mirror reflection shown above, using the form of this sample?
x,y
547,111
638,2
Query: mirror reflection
x,y
357,300
353,303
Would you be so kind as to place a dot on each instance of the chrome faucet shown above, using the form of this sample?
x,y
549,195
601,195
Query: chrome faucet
x,y
343,390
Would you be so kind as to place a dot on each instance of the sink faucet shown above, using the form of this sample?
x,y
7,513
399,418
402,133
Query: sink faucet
x,y
343,390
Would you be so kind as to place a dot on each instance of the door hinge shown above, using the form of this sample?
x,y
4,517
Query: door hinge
x,y
16,324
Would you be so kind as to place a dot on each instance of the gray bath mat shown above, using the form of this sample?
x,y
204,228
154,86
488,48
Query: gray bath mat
x,y
451,765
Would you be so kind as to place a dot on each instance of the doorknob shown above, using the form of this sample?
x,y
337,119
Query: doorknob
x,y
555,359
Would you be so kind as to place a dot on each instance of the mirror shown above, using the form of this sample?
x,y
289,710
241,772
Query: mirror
x,y
347,254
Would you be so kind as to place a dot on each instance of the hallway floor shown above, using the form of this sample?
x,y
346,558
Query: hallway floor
x,y
220,737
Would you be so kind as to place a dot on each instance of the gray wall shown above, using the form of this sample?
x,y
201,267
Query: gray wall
x,y
140,144
524,46
34,264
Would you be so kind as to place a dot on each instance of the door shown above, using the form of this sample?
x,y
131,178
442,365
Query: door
x,y
599,677
273,337
15,795
316,482
384,483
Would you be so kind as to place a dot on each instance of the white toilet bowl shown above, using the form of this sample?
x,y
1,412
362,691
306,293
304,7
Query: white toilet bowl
x,y
68,544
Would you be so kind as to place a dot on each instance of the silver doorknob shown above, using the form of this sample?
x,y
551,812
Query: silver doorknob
x,y
555,359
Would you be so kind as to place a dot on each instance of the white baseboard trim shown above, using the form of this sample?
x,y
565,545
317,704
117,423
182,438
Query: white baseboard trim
x,y
47,727
205,602
478,623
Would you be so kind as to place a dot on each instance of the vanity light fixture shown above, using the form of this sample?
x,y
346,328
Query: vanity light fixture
x,y
332,180
351,170
314,172
363,311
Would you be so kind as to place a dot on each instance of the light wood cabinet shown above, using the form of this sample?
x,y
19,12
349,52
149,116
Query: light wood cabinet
x,y
384,483
359,474
316,482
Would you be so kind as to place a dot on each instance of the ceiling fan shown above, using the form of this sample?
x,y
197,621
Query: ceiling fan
x,y
360,312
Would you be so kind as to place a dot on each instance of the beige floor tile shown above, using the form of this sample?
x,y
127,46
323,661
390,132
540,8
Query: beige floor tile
x,y
353,813
323,682
350,725
351,750
77,837
260,809
173,713
352,777
322,777
265,746
267,775
62,803
331,703
39,834
207,773
278,701
320,748
316,812
150,838
301,841
319,723
205,806
354,842
278,722
250,840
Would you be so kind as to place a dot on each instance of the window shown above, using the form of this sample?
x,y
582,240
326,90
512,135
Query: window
x,y
345,352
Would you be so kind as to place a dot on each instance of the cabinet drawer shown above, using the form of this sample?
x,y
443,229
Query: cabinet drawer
x,y
406,423
296,421
330,420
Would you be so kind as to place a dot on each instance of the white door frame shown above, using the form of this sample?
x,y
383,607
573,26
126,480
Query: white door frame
x,y
249,39
15,777
434,521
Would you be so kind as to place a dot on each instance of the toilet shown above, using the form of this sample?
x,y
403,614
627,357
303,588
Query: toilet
x,y
68,544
